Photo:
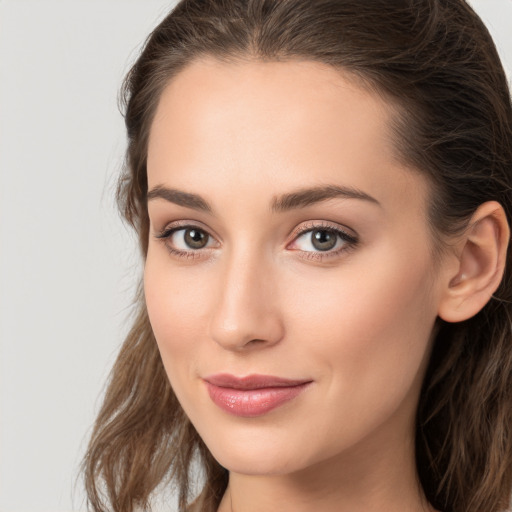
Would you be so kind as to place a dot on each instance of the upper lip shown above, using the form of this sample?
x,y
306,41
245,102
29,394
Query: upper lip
x,y
225,380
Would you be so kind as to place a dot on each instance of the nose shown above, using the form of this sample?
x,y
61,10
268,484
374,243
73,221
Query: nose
x,y
246,314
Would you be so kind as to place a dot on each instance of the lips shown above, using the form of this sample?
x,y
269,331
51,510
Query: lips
x,y
253,395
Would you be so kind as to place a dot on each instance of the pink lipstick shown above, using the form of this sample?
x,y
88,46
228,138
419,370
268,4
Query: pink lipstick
x,y
253,395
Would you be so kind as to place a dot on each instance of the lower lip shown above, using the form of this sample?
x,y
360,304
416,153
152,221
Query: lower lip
x,y
252,402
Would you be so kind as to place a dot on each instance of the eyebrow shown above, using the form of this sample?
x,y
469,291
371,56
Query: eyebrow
x,y
186,199
307,196
290,201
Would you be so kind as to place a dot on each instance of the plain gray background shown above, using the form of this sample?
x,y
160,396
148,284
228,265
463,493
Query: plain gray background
x,y
67,263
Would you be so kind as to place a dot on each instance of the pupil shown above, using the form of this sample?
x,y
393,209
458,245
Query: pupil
x,y
323,240
195,239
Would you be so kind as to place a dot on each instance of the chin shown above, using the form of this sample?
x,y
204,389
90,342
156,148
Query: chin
x,y
253,452
260,464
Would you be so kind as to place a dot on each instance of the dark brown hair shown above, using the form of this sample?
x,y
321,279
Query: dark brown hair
x,y
436,61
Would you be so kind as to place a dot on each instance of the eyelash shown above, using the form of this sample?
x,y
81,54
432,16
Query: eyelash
x,y
349,241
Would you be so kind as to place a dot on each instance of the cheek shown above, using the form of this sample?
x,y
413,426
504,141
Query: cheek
x,y
177,303
368,325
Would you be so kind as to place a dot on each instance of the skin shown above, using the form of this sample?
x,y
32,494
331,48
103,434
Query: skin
x,y
260,298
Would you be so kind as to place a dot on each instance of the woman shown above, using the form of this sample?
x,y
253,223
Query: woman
x,y
322,196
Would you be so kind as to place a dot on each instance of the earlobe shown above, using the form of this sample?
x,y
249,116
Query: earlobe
x,y
481,263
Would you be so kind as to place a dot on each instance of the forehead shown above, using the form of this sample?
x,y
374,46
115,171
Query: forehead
x,y
273,124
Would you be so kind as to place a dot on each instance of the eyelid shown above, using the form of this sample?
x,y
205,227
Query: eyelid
x,y
165,235
349,238
183,224
313,225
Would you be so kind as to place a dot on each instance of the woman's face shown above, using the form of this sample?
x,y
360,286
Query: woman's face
x,y
289,278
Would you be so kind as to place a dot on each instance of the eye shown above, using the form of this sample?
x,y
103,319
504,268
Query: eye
x,y
320,239
323,240
189,238
186,240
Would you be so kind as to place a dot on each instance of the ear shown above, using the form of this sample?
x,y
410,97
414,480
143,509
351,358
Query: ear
x,y
481,255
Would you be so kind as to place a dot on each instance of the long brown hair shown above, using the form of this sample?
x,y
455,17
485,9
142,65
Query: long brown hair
x,y
436,61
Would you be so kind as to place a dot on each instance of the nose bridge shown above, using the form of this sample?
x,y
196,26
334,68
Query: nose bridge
x,y
246,312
